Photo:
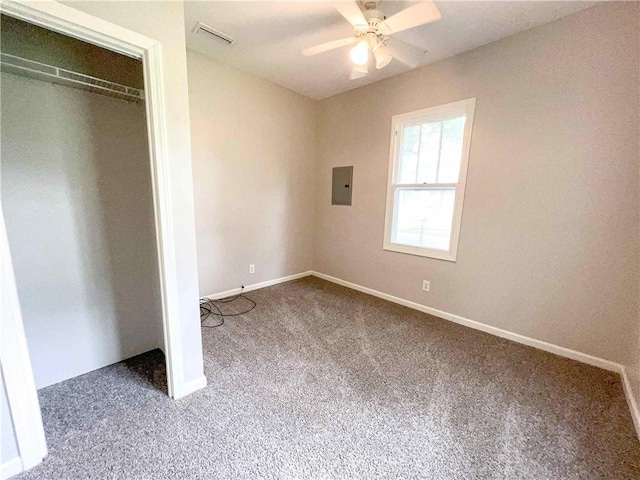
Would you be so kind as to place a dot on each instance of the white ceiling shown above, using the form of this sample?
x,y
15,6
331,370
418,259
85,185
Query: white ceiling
x,y
270,36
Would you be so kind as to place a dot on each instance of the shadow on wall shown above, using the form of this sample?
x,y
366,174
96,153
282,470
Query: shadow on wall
x,y
122,225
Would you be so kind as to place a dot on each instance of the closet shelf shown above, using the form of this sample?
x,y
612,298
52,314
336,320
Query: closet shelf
x,y
61,76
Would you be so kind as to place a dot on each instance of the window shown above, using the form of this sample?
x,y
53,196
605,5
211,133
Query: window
x,y
427,173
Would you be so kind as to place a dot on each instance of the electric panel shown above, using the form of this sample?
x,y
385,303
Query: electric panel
x,y
342,185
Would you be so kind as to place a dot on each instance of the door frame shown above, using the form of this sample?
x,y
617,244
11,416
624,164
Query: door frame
x,y
19,384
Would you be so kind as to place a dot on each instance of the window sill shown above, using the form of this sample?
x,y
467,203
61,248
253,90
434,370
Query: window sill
x,y
420,252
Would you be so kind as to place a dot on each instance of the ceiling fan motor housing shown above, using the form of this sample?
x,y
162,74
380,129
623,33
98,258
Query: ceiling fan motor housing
x,y
374,18
370,32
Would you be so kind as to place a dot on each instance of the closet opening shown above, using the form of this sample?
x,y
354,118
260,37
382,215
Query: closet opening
x,y
77,193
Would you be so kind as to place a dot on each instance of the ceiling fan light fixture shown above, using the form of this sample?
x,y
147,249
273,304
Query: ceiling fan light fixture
x,y
382,56
359,71
360,53
361,68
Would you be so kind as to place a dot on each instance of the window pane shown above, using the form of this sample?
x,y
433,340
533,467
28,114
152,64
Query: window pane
x,y
451,150
423,217
429,152
409,154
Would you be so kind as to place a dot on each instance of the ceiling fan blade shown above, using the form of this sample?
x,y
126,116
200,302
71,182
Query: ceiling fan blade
x,y
351,11
418,14
405,53
358,71
325,47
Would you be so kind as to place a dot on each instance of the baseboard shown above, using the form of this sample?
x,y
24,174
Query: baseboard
x,y
499,332
191,386
631,400
256,286
10,468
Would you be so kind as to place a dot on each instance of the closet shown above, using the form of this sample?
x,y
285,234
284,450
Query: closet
x,y
77,198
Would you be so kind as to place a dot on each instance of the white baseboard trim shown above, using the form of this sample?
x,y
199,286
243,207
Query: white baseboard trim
x,y
499,332
257,286
631,400
10,468
191,386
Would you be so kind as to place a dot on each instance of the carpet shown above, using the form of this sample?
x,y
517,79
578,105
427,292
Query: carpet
x,y
322,382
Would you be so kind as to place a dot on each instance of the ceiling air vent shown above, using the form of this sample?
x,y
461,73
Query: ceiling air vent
x,y
210,32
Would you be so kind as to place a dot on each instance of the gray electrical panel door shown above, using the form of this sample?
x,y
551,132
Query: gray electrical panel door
x,y
341,186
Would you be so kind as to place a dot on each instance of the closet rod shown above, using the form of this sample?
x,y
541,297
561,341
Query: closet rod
x,y
61,76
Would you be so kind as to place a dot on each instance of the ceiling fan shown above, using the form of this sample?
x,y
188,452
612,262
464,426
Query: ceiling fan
x,y
372,30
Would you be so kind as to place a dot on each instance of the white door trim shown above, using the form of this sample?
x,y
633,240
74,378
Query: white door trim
x,y
74,23
10,468
18,378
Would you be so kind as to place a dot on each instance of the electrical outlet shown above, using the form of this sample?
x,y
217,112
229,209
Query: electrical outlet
x,y
252,268
426,285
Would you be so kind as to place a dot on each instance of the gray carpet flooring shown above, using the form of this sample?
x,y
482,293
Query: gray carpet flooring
x,y
321,382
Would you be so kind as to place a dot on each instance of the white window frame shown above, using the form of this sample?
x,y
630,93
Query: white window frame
x,y
462,107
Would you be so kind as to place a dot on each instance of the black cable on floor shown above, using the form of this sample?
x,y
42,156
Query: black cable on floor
x,y
209,307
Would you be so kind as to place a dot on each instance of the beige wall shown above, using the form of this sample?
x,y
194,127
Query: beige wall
x,y
549,237
253,159
164,22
